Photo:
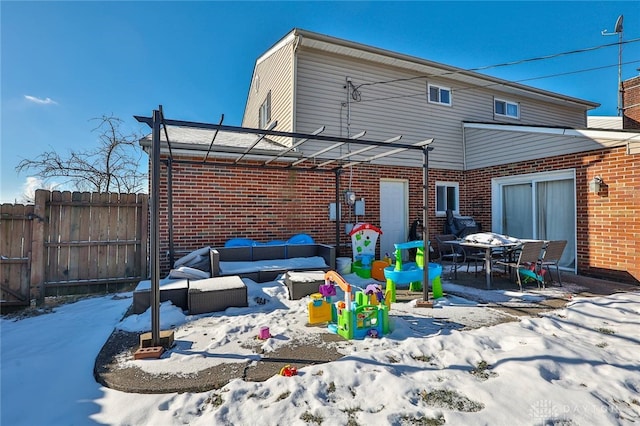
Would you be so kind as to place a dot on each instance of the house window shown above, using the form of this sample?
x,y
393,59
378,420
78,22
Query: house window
x,y
506,108
439,95
447,197
540,205
264,115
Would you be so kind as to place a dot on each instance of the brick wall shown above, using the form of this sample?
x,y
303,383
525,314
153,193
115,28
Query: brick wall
x,y
608,227
212,204
631,103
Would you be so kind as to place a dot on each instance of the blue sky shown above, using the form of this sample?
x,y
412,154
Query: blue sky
x,y
64,63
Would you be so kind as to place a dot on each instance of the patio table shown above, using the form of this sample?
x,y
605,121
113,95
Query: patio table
x,y
488,249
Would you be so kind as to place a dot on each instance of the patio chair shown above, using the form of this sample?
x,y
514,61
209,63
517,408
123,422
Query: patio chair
x,y
526,261
450,252
551,256
474,255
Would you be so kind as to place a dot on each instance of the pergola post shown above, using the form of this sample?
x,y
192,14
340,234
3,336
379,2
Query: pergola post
x,y
425,303
155,230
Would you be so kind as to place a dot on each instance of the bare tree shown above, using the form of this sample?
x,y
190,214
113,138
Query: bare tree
x,y
110,167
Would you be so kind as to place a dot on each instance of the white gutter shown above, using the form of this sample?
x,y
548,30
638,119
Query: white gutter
x,y
591,134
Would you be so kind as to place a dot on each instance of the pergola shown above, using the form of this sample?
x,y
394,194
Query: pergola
x,y
326,156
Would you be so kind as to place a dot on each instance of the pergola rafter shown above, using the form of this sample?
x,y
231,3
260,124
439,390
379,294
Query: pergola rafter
x,y
289,158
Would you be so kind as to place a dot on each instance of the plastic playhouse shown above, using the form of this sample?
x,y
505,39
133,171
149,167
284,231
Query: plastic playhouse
x,y
365,314
364,238
412,273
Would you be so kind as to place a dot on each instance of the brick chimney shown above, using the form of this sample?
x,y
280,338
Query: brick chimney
x,y
631,103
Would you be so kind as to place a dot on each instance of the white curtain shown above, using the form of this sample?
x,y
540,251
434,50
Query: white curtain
x,y
517,210
555,215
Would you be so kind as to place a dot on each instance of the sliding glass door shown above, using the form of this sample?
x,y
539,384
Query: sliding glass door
x,y
517,210
540,206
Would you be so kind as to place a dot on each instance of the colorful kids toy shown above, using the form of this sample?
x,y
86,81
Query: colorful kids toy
x,y
412,273
367,315
264,333
364,237
288,371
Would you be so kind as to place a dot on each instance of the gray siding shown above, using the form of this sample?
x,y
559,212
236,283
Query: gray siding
x,y
491,147
384,110
274,73
401,107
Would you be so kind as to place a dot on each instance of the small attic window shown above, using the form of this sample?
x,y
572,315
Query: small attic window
x,y
505,108
264,115
439,95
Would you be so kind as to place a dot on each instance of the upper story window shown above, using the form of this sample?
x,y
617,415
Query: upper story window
x,y
439,95
505,108
447,197
264,115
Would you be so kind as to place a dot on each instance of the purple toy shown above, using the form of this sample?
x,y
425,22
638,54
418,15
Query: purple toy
x,y
375,289
327,290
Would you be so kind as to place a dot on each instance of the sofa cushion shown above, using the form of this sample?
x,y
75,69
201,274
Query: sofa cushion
x,y
187,272
239,242
234,268
192,258
301,239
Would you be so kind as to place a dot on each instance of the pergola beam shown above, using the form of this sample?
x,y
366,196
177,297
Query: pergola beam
x,y
356,152
294,146
262,136
295,135
388,153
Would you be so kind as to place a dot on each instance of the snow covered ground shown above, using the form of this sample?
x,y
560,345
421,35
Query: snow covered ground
x,y
574,366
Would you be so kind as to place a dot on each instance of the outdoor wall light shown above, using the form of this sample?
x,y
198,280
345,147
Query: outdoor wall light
x,y
595,184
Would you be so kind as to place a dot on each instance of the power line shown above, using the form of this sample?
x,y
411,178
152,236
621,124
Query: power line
x,y
356,93
575,72
544,76
421,93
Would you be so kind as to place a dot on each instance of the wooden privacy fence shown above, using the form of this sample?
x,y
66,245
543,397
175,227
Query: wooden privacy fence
x,y
72,243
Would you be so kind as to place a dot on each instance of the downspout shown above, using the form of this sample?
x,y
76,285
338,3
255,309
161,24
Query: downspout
x,y
338,223
464,165
170,209
464,148
294,83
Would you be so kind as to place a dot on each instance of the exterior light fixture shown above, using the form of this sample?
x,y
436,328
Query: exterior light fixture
x,y
595,184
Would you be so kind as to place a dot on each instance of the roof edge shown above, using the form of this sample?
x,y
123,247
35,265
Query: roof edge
x,y
616,135
304,34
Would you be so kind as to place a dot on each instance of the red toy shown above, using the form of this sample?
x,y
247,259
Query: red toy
x,y
288,371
